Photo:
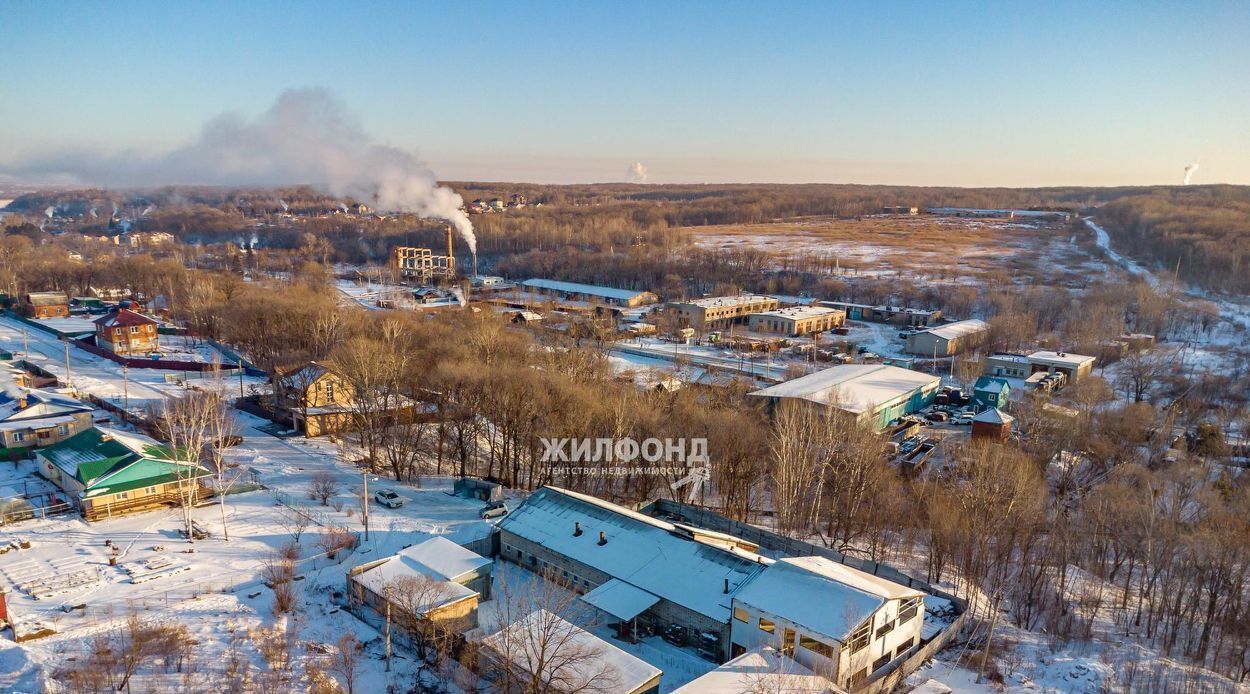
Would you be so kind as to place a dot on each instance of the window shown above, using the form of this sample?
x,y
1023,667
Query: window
x,y
117,331
815,646
768,626
64,429
881,662
741,615
857,677
859,637
904,647
329,390
18,436
885,628
907,610
134,329
123,495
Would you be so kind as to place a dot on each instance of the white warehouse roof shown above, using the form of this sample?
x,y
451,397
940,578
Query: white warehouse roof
x,y
952,331
1062,359
727,301
587,289
854,388
799,312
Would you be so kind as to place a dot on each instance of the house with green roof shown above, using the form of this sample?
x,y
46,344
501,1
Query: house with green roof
x,y
109,473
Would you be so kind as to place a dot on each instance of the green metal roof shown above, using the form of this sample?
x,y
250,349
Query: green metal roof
x,y
105,462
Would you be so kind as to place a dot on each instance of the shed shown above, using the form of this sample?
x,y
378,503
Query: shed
x,y
992,424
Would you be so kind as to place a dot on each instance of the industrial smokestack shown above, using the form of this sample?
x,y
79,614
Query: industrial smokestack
x,y
450,254
1189,173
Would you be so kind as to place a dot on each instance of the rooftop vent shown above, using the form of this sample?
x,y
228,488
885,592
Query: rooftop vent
x,y
603,540
577,529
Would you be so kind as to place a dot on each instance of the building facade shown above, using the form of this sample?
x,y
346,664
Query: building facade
x,y
950,339
125,332
797,321
719,312
48,304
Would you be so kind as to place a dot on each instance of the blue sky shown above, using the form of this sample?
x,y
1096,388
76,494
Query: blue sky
x,y
998,93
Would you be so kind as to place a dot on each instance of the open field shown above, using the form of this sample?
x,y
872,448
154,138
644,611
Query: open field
x,y
936,248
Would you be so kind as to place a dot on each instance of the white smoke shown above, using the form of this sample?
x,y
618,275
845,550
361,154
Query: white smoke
x,y
49,212
93,214
147,210
306,137
285,207
1189,173
637,173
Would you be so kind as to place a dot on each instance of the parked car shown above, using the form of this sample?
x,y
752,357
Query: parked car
x,y
494,510
937,416
964,418
388,498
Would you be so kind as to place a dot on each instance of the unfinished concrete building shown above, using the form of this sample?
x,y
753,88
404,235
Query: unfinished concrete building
x,y
421,264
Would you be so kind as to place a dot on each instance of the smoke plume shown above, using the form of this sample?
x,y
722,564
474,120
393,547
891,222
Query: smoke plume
x,y
1189,172
637,173
306,137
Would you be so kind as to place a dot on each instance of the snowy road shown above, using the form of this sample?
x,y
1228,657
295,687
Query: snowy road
x,y
1103,239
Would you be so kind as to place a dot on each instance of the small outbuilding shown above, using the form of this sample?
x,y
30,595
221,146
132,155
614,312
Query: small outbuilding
x,y
992,424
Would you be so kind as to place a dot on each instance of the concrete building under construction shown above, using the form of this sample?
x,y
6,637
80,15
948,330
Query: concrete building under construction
x,y
422,265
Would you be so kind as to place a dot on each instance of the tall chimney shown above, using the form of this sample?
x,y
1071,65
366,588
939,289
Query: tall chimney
x,y
577,529
451,263
602,540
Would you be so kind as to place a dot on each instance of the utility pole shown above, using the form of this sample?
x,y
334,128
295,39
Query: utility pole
x,y
388,628
126,386
364,475
69,377
240,377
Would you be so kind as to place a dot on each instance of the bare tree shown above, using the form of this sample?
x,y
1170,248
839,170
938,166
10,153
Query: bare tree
x,y
323,486
187,423
295,522
345,660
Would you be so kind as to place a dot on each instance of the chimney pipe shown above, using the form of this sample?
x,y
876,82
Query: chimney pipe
x,y
451,263
577,529
726,585
602,540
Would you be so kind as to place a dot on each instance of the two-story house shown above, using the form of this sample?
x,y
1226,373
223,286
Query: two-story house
x,y
126,333
838,622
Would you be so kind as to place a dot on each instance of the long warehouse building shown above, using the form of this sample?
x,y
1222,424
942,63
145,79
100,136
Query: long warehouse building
x,y
875,394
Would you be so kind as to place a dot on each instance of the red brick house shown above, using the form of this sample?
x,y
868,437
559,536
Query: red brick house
x,y
125,332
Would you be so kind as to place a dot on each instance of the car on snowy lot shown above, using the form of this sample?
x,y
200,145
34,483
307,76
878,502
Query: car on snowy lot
x,y
494,510
388,498
937,416
963,418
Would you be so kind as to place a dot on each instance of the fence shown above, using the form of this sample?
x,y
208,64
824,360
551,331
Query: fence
x,y
14,511
165,364
229,352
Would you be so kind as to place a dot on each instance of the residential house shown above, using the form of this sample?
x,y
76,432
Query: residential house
x,y
585,661
109,473
48,304
37,418
319,401
833,619
127,333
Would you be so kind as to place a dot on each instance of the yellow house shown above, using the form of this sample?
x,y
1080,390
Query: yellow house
x,y
316,400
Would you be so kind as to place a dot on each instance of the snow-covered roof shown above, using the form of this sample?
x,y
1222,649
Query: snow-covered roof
x,y
620,599
958,329
822,595
994,416
587,289
441,558
121,318
800,312
1063,359
445,565
647,553
40,404
759,670
622,671
727,301
989,384
854,388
